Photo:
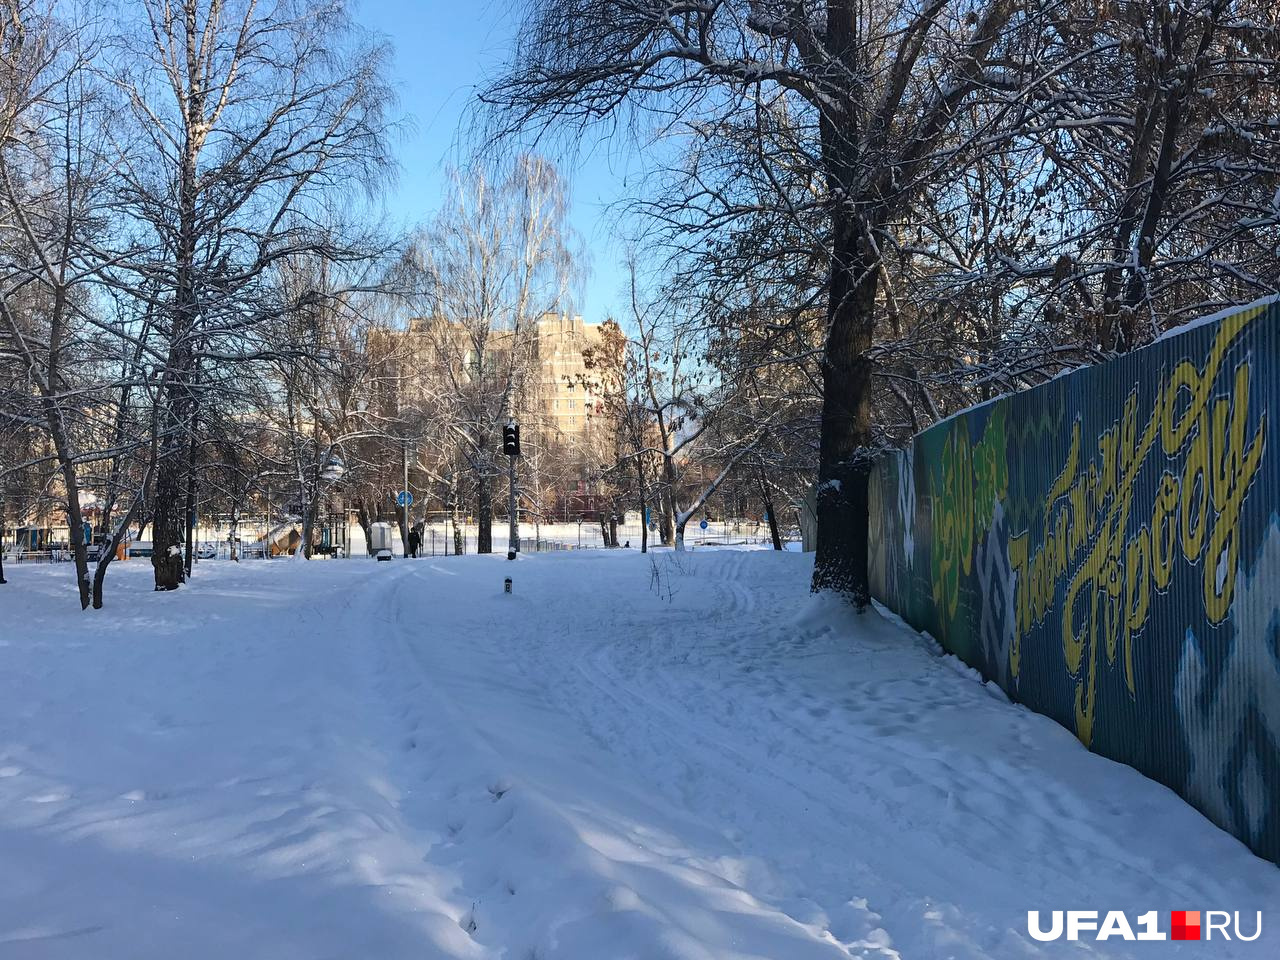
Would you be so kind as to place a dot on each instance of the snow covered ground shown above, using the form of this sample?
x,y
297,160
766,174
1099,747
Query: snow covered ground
x,y
626,758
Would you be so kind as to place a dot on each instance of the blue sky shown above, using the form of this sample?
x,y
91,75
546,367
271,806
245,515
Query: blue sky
x,y
443,52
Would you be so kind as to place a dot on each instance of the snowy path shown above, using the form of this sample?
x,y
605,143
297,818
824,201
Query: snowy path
x,y
396,760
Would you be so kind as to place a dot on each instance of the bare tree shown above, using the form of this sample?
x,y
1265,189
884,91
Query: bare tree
x,y
678,409
53,178
248,114
883,87
326,373
497,259
1164,156
614,375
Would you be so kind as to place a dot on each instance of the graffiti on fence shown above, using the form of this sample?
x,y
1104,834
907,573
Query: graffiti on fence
x,y
1106,547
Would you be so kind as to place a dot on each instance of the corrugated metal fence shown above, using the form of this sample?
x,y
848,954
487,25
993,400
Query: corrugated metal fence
x,y
1106,548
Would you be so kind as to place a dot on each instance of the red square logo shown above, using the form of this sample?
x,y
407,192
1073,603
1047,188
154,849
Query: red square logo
x,y
1186,924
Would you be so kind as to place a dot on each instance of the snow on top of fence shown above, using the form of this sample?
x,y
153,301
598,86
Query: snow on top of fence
x,y
1260,304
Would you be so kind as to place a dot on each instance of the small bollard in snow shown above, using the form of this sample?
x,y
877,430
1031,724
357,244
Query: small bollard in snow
x,y
506,585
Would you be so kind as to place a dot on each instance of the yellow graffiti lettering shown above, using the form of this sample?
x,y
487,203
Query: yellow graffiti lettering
x,y
1164,531
1231,473
1195,496
1018,564
1109,573
1137,566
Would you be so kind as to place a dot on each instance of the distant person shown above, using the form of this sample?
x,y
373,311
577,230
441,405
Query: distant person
x,y
415,541
627,545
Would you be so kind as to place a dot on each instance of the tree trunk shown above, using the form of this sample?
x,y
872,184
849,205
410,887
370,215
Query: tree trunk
x,y
767,500
167,524
484,513
844,446
644,514
311,510
667,502
100,573
169,515
365,519
773,529
75,522
454,506
2,579
112,543
233,544
191,503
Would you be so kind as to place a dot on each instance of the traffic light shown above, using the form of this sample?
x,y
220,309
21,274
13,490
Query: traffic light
x,y
511,440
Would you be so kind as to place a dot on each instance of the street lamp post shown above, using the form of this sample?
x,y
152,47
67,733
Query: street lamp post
x,y
330,474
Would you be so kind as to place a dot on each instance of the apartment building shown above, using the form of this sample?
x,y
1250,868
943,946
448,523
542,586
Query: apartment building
x,y
563,391
557,400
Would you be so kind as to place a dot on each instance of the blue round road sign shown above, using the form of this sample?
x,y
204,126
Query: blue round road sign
x,y
704,524
404,498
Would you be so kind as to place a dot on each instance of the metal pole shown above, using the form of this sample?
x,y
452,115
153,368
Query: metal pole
x,y
513,536
404,527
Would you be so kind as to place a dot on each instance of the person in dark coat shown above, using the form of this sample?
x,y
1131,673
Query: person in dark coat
x,y
415,541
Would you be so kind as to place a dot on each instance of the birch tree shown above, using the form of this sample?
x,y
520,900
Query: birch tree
x,y
247,114
497,258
